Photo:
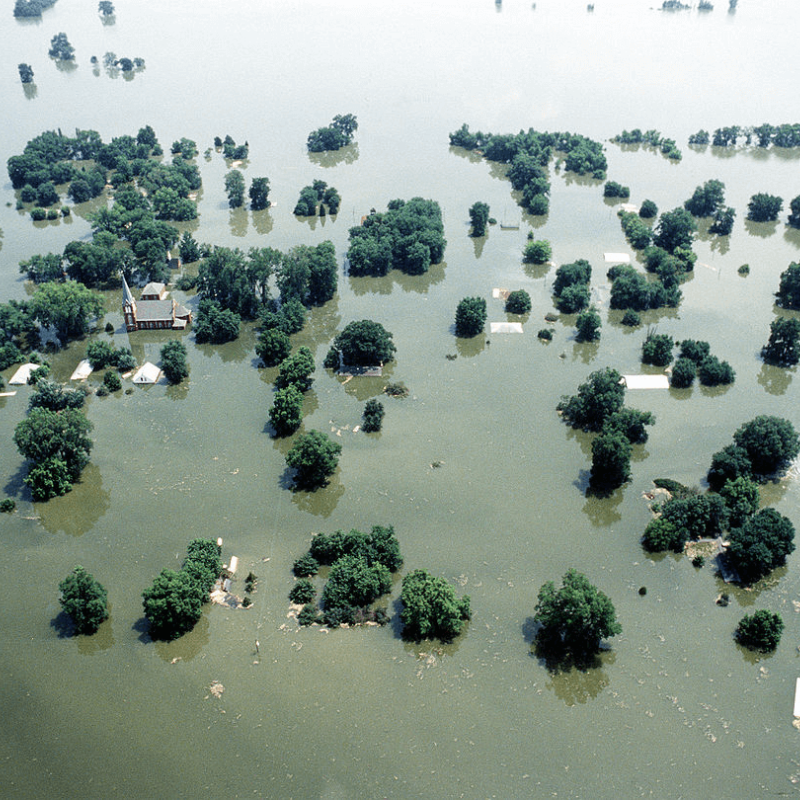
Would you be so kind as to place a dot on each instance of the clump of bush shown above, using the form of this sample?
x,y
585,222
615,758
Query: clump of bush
x,y
760,631
518,302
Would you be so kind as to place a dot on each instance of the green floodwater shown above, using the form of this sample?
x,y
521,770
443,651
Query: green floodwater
x,y
676,708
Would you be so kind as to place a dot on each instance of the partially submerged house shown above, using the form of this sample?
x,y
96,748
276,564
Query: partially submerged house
x,y
154,309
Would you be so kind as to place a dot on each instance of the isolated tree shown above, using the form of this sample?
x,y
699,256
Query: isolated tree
x,y
683,373
106,8
84,599
25,73
478,217
648,209
296,370
373,416
794,206
760,544
470,316
286,413
537,252
314,457
783,347
259,194
431,609
234,188
764,207
173,361
273,346
760,631
723,221
713,372
518,302
575,618
173,604
706,199
588,325
788,293
61,49
611,460
597,399
769,442
365,343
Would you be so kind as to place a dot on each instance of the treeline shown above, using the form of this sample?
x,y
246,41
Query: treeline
x,y
652,138
529,153
32,8
785,135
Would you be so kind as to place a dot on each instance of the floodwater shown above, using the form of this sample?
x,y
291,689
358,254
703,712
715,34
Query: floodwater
x,y
675,708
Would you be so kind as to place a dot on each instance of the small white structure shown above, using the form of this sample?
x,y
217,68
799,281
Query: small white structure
x,y
617,258
82,371
646,381
629,207
20,377
505,327
234,565
147,373
797,698
500,294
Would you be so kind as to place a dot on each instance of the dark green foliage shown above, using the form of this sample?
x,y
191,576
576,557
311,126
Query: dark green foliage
x,y
173,604
636,232
707,199
742,497
215,324
306,206
761,544
38,214
409,237
683,373
788,293
700,138
630,423
273,346
470,316
657,349
760,631
203,564
46,194
286,413
308,274
302,592
478,217
660,535
308,615
112,382
783,347
574,298
60,48
41,269
124,359
54,396
305,565
588,325
611,460
574,618
770,443
794,217
518,302
173,361
576,273
314,457
373,416
234,188
728,464
31,8
723,221
648,209
84,599
431,609
538,252
106,8
259,194
188,248
296,370
546,334
235,280
378,546
675,229
100,354
614,189
694,350
58,445
365,343
335,136
597,399
353,581
713,372
696,516
631,319
66,307
764,207
7,505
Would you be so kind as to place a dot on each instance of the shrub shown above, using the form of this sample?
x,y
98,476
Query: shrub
x,y
38,214
302,592
7,505
470,316
760,631
588,325
518,302
545,334
631,319
694,350
713,372
538,252
648,209
614,189
660,535
657,349
305,565
373,416
308,615
112,382
683,373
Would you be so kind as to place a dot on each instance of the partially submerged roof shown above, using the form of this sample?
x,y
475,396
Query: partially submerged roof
x,y
20,377
646,381
82,371
147,373
505,327
617,258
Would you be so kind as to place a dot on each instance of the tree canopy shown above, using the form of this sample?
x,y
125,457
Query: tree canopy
x,y
598,398
783,347
431,609
760,631
364,343
574,618
764,207
760,544
675,229
84,599
314,457
66,306
470,316
478,217
769,442
334,136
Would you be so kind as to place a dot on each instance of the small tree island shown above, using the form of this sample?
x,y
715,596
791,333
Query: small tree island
x,y
84,599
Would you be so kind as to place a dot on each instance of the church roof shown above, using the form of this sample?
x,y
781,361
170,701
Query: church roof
x,y
127,297
154,310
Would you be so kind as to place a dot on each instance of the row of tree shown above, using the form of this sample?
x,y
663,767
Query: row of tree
x,y
785,135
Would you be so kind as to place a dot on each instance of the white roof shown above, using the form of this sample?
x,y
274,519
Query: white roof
x,y
505,327
499,293
147,373
82,371
617,258
20,377
646,381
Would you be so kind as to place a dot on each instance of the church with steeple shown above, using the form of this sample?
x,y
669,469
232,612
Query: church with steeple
x,y
154,310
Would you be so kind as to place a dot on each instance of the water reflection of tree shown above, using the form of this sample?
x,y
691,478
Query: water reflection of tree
x,y
585,352
478,243
473,156
408,283
774,380
792,236
332,158
262,222
65,66
469,348
78,511
603,508
761,230
364,388
31,90
238,221
322,502
187,646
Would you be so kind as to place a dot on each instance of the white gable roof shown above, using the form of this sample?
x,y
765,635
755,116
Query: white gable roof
x,y
147,373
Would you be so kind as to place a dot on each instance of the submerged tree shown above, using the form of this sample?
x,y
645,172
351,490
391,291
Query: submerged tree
x,y
597,399
760,631
764,207
25,73
431,608
234,188
470,316
173,361
314,457
478,217
783,347
84,599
